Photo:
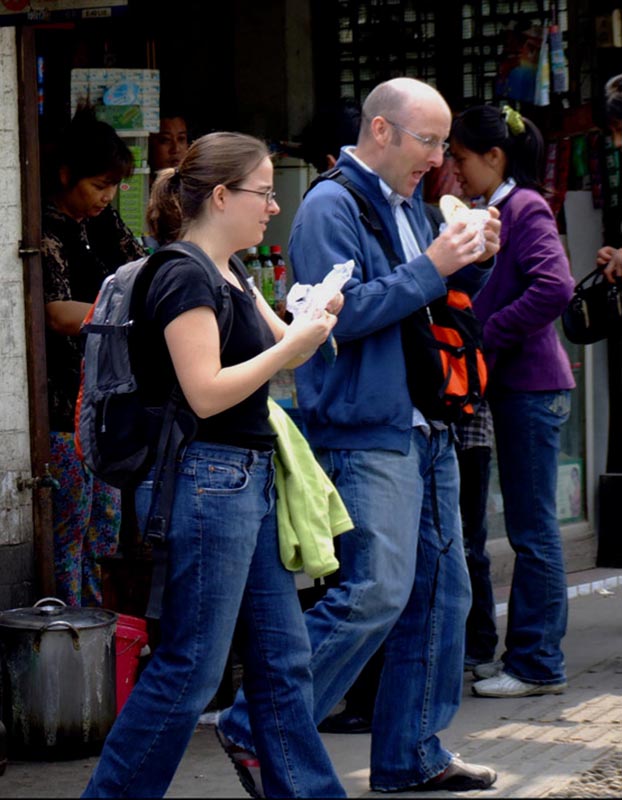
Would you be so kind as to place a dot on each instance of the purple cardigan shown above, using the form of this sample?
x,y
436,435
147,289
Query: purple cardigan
x,y
529,287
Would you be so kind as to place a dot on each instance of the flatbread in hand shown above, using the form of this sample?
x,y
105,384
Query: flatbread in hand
x,y
451,207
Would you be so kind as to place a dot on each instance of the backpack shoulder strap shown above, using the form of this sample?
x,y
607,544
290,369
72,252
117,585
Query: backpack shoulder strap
x,y
219,284
367,213
172,435
240,271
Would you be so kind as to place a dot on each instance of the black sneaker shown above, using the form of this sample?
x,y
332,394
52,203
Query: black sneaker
x,y
344,722
246,765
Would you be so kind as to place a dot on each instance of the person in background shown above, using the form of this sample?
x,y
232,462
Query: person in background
x,y
170,144
332,126
499,158
611,257
404,579
83,241
223,563
474,443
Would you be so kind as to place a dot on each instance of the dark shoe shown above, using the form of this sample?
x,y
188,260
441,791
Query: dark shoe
x,y
345,722
460,777
246,765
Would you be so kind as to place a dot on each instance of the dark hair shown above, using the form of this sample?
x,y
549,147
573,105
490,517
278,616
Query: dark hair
x,y
613,97
481,128
333,126
88,147
178,195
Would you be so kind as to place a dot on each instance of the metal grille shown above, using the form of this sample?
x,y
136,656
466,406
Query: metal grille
x,y
383,39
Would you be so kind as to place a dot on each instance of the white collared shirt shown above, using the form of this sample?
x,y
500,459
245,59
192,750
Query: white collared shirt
x,y
409,242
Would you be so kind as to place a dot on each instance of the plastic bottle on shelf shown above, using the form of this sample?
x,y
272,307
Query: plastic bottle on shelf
x,y
253,267
280,280
267,274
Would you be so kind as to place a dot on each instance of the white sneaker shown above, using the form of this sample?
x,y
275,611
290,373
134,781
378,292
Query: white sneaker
x,y
487,670
504,685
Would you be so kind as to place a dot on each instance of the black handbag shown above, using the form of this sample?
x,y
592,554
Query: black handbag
x,y
595,310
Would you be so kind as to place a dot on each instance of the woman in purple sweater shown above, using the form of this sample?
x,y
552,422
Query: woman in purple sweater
x,y
499,157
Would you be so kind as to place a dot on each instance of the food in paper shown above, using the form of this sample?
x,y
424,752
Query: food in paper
x,y
454,210
451,207
306,299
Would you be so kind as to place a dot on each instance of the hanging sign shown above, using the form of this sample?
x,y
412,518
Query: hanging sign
x,y
19,12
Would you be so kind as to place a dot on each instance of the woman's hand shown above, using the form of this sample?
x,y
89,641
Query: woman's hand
x,y
613,260
304,335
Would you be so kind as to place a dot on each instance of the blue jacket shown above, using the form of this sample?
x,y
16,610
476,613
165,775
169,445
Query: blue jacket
x,y
363,402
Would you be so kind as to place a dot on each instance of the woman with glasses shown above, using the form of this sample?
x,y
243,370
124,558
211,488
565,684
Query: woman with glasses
x,y
223,554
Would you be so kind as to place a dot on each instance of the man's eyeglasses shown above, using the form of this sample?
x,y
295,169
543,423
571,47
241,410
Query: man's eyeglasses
x,y
268,194
431,142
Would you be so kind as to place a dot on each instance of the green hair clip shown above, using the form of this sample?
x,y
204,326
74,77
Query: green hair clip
x,y
513,120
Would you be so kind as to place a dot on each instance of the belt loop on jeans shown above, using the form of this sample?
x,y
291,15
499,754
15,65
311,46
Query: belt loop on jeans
x,y
251,459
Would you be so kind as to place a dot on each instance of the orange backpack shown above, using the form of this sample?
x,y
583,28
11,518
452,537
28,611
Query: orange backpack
x,y
442,341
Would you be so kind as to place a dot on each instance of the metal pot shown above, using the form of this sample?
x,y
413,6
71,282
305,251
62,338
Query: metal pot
x,y
59,680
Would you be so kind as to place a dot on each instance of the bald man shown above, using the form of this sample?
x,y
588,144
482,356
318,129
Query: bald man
x,y
404,579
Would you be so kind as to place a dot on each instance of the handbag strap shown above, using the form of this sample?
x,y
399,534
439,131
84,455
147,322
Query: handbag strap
x,y
594,274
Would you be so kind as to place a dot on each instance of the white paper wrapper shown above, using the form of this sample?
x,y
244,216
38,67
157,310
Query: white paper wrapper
x,y
475,217
306,299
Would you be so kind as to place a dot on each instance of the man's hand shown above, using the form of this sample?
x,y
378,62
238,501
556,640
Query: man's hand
x,y
492,232
460,244
335,304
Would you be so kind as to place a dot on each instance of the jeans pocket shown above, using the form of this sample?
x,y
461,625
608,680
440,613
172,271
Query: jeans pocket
x,y
558,404
222,477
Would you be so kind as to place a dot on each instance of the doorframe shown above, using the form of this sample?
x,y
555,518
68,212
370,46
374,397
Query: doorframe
x,y
30,252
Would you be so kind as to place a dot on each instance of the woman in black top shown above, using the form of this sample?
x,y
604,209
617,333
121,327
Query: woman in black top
x,y
223,553
84,240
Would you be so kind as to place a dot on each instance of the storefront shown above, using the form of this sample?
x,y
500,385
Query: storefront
x,y
262,68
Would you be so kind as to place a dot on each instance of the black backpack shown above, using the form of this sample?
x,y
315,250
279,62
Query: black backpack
x,y
442,341
116,435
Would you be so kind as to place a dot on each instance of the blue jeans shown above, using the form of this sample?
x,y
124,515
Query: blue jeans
x,y
527,433
223,562
404,582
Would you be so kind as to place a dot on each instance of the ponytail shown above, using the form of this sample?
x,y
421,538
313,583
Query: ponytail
x,y
164,215
481,128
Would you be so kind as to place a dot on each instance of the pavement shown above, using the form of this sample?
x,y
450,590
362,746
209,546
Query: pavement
x,y
567,745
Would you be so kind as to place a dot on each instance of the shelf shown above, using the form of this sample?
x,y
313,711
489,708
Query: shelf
x,y
130,133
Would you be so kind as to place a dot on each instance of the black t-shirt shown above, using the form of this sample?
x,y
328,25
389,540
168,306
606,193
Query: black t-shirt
x,y
178,286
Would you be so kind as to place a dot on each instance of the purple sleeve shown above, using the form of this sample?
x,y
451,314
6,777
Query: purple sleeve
x,y
538,280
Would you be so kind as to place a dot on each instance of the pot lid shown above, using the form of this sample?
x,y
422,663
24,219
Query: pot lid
x,y
51,609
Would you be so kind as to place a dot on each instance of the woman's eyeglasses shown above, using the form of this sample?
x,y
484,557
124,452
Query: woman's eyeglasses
x,y
269,195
